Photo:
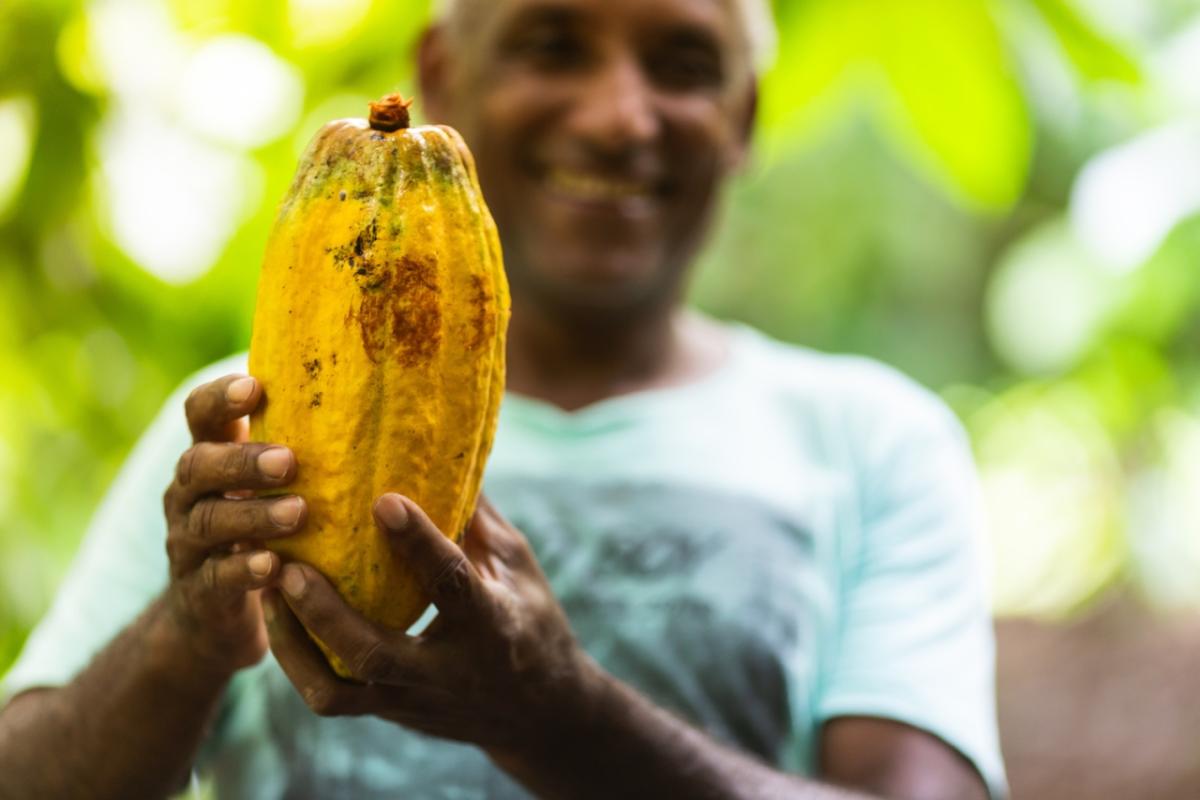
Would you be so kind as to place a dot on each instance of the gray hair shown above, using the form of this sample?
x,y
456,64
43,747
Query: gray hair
x,y
758,24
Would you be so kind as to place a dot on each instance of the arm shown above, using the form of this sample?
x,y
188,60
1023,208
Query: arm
x,y
147,707
499,668
627,745
129,724
914,635
629,736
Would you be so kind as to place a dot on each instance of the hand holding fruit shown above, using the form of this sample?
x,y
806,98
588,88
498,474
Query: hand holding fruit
x,y
496,668
215,571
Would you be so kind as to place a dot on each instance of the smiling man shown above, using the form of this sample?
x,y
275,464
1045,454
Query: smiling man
x,y
726,567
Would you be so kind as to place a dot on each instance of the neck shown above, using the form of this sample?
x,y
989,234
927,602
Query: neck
x,y
574,362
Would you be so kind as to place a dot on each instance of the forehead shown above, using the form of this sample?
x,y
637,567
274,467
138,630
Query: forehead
x,y
718,17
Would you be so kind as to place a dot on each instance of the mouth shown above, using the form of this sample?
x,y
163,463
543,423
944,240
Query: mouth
x,y
595,190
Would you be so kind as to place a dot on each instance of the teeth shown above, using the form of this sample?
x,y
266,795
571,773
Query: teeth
x,y
592,187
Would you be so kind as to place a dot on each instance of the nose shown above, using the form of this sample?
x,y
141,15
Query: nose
x,y
617,110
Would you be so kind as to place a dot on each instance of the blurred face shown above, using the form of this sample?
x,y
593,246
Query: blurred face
x,y
603,130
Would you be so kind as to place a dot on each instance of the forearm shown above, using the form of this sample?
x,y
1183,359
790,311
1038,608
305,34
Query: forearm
x,y
128,726
622,745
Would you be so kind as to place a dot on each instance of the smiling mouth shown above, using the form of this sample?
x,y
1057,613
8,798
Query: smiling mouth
x,y
591,188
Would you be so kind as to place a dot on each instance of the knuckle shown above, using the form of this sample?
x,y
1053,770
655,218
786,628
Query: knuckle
x,y
452,580
186,466
507,628
244,515
513,538
194,402
174,554
514,545
255,516
205,406
210,578
373,664
235,462
200,521
518,539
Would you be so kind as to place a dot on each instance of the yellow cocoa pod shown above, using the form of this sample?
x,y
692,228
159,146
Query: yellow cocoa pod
x,y
379,343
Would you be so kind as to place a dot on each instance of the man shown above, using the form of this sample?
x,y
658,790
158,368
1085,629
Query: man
x,y
751,569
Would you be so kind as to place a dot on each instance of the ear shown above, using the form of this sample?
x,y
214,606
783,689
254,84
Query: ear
x,y
745,118
433,74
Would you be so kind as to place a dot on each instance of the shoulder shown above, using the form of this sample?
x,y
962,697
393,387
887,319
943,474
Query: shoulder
x,y
873,402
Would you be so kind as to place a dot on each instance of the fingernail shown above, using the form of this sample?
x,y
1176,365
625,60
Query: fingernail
x,y
260,564
391,511
239,391
274,463
285,513
293,581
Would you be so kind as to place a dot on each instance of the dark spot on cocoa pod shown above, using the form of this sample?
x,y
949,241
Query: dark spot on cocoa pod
x,y
366,238
400,311
484,321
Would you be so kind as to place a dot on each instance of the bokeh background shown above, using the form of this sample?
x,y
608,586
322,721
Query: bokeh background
x,y
999,197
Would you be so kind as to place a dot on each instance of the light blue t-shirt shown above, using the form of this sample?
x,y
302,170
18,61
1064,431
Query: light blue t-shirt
x,y
795,537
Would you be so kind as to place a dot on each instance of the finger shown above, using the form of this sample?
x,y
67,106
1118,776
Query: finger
x,y
306,667
439,564
479,549
216,523
485,507
477,552
490,531
213,408
221,580
371,653
217,468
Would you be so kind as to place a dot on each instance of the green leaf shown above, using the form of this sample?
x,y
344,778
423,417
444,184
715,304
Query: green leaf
x,y
956,104
1094,55
822,43
950,98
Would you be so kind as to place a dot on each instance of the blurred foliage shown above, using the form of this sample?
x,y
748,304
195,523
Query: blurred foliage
x,y
937,185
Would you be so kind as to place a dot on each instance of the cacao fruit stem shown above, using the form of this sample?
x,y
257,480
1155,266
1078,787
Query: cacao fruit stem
x,y
389,113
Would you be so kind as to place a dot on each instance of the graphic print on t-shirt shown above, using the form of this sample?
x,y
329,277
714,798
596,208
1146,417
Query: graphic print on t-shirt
x,y
698,600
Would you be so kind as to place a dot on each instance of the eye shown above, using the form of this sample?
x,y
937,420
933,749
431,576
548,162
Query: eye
x,y
549,47
687,65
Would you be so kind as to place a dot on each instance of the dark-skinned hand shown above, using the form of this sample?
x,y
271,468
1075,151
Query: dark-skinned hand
x,y
496,666
215,526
